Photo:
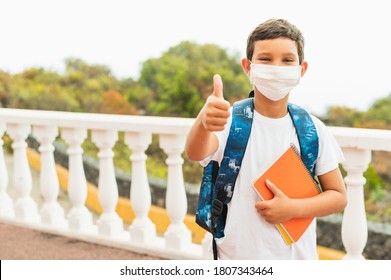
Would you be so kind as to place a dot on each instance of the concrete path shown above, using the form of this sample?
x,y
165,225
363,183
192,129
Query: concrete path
x,y
25,244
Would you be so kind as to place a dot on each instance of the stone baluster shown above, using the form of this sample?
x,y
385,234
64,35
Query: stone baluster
x,y
79,217
6,204
142,229
177,236
109,223
25,207
354,223
51,211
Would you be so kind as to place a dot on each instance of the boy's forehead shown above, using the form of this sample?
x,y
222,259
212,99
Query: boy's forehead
x,y
278,45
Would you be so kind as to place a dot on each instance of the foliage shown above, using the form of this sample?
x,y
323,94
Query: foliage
x,y
343,116
183,76
82,88
375,186
5,88
114,102
377,200
377,116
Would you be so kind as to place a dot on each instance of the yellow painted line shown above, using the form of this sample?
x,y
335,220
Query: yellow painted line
x,y
157,215
329,253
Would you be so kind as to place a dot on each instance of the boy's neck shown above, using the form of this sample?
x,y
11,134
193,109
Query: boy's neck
x,y
270,109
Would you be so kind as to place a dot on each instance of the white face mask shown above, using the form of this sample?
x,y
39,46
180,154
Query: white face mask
x,y
274,82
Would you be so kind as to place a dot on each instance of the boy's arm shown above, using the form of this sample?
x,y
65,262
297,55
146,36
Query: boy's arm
x,y
201,141
330,201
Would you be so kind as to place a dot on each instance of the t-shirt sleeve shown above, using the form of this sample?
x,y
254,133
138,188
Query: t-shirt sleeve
x,y
330,153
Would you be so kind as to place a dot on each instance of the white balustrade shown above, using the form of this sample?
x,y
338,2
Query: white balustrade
x,y
142,230
177,236
354,225
26,208
79,216
51,211
6,204
357,145
109,223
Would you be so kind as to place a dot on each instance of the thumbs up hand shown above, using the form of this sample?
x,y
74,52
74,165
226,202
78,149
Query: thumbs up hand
x,y
215,113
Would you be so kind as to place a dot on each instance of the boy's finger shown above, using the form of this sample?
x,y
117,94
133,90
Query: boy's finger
x,y
272,187
218,86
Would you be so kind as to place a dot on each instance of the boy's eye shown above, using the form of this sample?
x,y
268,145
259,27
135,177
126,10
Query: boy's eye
x,y
264,59
288,60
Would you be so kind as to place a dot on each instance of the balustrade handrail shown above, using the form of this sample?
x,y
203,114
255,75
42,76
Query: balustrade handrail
x,y
363,138
356,143
158,125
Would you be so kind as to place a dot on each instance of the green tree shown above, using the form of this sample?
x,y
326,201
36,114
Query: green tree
x,y
5,89
137,94
181,79
38,89
343,116
113,102
378,115
375,186
86,83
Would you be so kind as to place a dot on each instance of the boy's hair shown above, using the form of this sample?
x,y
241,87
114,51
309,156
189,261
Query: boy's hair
x,y
272,29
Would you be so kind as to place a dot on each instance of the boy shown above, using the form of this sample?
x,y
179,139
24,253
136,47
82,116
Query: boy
x,y
275,63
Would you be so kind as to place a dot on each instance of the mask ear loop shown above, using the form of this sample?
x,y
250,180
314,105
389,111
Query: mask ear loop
x,y
251,63
249,76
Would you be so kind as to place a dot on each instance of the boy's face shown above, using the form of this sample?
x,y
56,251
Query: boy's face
x,y
276,52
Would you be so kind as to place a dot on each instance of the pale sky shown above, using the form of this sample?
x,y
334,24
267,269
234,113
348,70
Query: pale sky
x,y
348,43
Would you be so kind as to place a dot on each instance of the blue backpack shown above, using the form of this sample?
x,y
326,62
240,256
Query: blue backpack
x,y
218,182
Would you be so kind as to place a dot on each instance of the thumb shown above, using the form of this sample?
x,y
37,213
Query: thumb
x,y
218,86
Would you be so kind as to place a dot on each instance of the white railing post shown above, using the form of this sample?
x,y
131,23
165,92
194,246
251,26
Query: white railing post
x,y
25,207
142,229
79,217
354,223
6,204
109,223
177,236
51,211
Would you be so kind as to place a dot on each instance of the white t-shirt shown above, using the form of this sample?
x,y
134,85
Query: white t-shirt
x,y
247,234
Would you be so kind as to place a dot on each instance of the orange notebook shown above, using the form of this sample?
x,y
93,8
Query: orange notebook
x,y
291,176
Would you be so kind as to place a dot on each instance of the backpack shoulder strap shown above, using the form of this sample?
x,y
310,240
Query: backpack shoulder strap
x,y
211,212
242,117
307,135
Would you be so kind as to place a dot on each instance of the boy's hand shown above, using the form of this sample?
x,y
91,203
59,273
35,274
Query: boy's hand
x,y
276,210
215,113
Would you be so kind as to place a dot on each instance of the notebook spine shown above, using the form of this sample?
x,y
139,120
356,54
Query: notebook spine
x,y
313,179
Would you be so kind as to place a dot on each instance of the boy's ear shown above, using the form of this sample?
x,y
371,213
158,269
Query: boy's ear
x,y
304,66
246,65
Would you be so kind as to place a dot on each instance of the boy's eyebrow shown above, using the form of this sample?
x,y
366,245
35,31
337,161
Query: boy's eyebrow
x,y
284,54
263,53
